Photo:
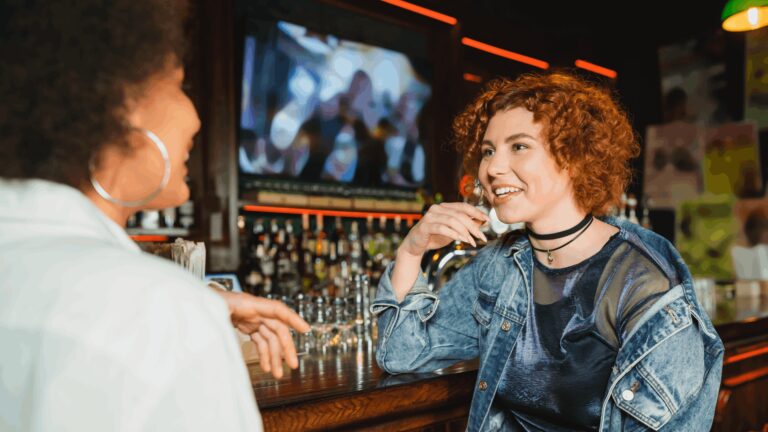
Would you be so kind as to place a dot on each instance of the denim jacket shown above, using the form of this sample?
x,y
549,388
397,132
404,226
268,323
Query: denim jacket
x,y
667,370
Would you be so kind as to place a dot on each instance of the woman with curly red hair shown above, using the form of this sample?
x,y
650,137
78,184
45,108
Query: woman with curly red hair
x,y
582,323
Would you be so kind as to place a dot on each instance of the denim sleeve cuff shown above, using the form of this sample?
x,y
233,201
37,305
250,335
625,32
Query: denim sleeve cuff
x,y
419,299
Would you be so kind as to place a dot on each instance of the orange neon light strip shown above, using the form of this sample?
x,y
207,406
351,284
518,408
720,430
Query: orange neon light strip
x,y
149,238
610,73
504,53
746,377
472,77
340,213
423,11
745,355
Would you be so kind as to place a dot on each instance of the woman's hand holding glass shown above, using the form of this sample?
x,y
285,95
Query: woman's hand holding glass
x,y
442,224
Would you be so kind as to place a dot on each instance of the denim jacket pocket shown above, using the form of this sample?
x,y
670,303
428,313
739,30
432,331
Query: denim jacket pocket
x,y
636,395
482,308
658,386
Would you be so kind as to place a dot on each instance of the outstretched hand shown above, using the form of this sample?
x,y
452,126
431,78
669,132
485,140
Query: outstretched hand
x,y
267,322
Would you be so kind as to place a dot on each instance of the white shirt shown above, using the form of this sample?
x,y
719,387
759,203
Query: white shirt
x,y
97,336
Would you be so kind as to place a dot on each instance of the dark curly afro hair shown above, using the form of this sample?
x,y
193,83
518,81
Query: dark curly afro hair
x,y
586,130
69,70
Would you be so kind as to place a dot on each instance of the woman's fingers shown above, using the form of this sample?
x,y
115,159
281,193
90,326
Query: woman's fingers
x,y
286,341
445,231
470,210
467,223
265,308
263,347
275,351
459,223
449,221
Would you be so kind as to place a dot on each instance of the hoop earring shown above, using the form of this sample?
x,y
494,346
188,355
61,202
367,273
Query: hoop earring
x,y
163,183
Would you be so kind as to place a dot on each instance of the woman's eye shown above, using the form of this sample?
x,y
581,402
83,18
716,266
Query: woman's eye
x,y
486,152
518,147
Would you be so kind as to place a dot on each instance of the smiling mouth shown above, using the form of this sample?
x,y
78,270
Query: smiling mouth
x,y
501,192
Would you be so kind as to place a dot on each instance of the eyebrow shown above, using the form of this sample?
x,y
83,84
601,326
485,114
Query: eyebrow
x,y
513,137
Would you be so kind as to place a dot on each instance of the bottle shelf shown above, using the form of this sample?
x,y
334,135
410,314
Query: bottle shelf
x,y
156,234
409,216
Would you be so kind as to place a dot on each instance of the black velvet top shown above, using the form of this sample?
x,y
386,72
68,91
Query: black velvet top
x,y
556,377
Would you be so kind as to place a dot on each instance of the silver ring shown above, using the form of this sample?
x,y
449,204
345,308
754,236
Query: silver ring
x,y
163,183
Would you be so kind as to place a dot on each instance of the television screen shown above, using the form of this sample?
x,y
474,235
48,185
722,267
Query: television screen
x,y
318,108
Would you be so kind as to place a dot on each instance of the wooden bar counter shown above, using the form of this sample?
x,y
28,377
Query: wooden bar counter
x,y
348,391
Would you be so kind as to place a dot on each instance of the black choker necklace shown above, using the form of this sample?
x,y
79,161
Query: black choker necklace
x,y
561,234
583,225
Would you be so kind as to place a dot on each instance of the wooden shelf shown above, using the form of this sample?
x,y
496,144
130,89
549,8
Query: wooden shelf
x,y
156,235
327,212
330,202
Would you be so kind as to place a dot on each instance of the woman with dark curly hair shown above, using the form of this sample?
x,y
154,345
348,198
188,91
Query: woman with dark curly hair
x,y
96,335
581,323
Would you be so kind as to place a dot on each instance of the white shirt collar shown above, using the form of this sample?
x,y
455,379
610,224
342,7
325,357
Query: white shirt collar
x,y
55,207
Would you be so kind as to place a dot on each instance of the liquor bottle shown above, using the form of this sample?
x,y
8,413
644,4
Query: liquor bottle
x,y
623,209
320,268
355,250
254,276
383,249
292,241
384,243
321,238
646,221
295,279
294,259
307,237
258,232
369,245
285,276
308,278
168,217
632,204
268,267
396,237
341,240
274,231
334,270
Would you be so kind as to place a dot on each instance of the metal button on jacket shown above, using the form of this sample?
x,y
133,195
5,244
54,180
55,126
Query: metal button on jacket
x,y
627,395
505,326
483,385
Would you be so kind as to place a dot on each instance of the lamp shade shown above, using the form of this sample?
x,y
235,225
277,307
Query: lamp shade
x,y
744,15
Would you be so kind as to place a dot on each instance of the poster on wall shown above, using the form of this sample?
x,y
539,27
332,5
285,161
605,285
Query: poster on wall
x,y
750,255
756,77
706,232
731,160
673,162
693,82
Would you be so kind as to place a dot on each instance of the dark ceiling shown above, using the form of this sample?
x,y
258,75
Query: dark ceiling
x,y
656,20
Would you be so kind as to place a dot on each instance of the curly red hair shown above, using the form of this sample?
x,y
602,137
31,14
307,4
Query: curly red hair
x,y
587,131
